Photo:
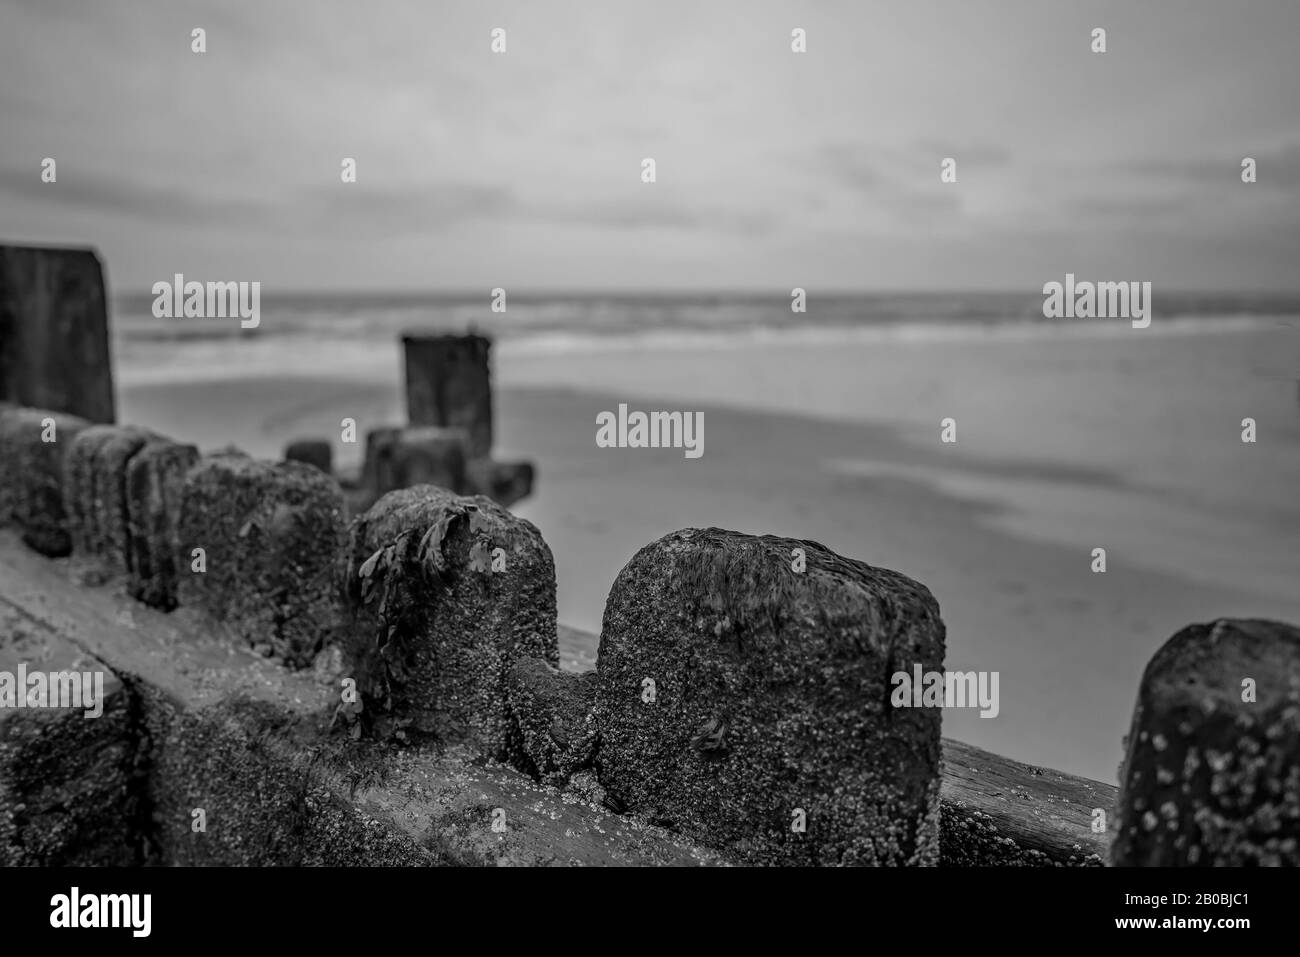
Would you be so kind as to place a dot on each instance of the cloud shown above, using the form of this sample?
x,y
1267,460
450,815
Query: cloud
x,y
89,192
419,208
983,154
882,188
622,215
430,207
163,151
1133,208
849,165
1278,168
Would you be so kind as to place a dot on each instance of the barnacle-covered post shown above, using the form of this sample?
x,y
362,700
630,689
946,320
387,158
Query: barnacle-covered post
x,y
155,484
33,448
554,712
256,545
1212,771
94,492
744,700
444,593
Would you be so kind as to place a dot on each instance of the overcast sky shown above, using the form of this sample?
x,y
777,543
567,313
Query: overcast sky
x,y
774,169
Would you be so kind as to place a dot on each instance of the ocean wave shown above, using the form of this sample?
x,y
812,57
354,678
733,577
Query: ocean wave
x,y
813,335
377,356
586,322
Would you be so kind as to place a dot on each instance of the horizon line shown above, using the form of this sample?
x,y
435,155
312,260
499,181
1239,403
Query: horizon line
x,y
689,293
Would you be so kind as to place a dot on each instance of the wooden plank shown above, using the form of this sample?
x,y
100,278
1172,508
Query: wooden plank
x,y
66,774
1000,811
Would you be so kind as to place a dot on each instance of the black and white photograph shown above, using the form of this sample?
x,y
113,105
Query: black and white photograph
x,y
358,512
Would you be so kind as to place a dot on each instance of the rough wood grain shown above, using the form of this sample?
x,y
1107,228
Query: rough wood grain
x,y
1000,811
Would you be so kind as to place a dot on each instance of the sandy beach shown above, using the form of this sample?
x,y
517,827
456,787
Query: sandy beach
x,y
1003,540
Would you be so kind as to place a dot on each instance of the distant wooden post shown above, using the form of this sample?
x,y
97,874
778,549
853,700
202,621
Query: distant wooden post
x,y
54,346
448,385
377,470
317,452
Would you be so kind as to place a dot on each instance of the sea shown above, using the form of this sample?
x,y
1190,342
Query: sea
x,y
573,322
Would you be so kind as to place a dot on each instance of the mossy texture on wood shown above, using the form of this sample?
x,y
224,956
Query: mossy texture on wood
x,y
67,784
269,532
78,487
94,492
260,775
770,700
445,593
554,713
1211,776
31,472
155,484
11,428
65,787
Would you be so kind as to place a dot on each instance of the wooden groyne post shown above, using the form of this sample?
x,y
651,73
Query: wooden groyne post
x,y
448,384
1212,771
54,341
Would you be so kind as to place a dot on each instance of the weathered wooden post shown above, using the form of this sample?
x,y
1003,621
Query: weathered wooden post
x,y
1212,771
448,384
155,484
744,700
429,456
255,545
420,455
554,712
317,452
444,594
54,344
33,446
376,471
94,493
